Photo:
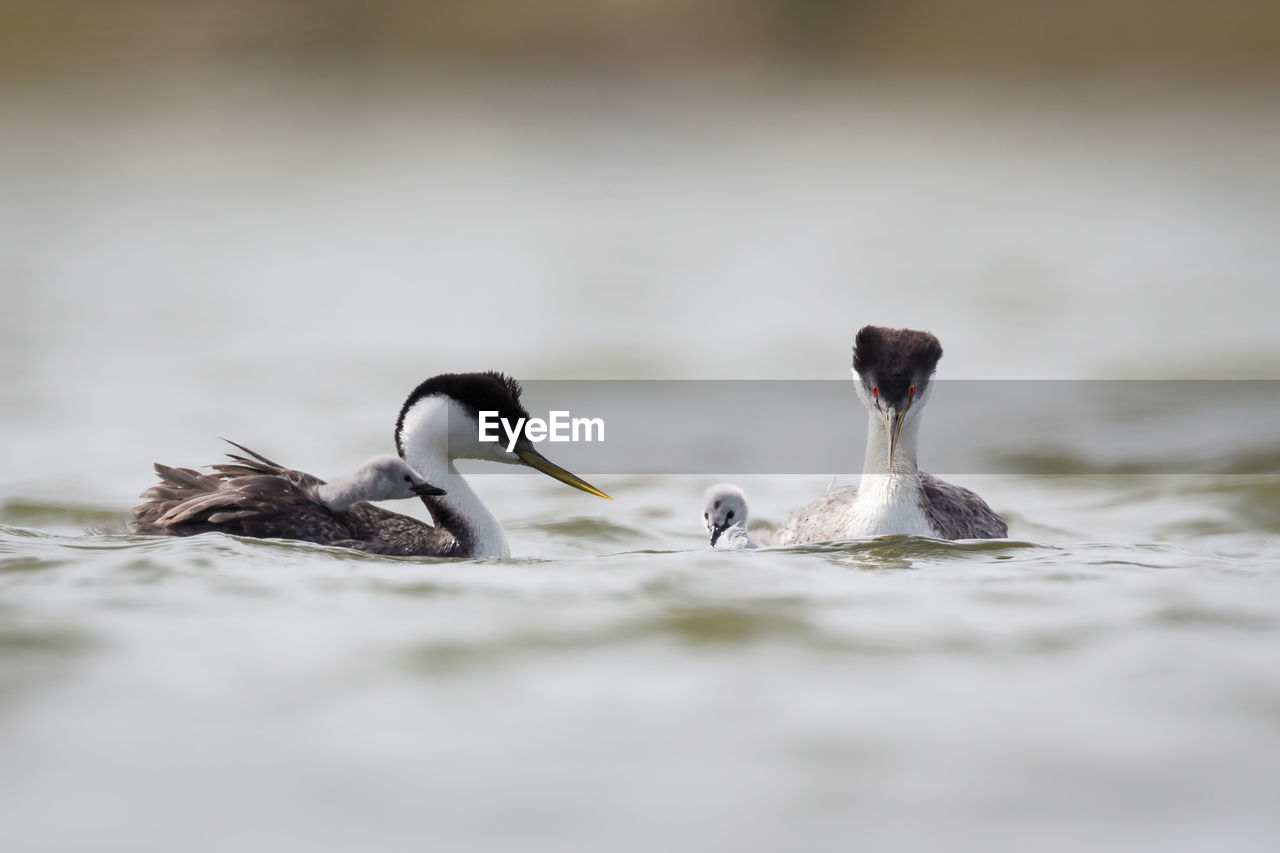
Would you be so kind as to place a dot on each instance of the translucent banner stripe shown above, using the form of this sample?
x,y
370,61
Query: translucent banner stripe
x,y
970,426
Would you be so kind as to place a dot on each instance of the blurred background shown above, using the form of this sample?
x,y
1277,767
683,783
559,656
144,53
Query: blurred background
x,y
270,220
1029,178
207,201
657,37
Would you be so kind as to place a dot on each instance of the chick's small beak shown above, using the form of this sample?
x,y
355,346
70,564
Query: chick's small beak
x,y
716,530
536,460
426,490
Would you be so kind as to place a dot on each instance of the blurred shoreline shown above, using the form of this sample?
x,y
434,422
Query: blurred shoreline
x,y
645,38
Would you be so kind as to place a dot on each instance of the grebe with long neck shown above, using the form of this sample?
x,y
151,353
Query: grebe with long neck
x,y
893,377
438,424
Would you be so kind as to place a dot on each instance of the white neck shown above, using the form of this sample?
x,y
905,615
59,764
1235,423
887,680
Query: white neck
x,y
904,460
341,495
426,439
889,501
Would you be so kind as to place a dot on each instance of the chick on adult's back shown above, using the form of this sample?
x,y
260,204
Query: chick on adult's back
x,y
253,496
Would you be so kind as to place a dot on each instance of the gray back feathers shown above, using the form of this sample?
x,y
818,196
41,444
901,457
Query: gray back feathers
x,y
958,513
824,519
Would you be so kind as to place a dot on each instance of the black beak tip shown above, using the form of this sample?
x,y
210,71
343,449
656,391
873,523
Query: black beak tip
x,y
715,535
426,490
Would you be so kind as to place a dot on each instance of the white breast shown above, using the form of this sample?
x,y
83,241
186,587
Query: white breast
x,y
888,503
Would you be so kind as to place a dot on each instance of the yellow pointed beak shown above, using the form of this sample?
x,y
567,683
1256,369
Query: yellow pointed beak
x,y
534,459
893,420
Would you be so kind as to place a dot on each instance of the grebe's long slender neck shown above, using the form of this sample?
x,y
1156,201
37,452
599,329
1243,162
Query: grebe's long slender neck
x,y
425,437
876,462
888,501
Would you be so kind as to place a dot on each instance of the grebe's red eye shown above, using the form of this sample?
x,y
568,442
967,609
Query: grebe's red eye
x,y
875,390
912,390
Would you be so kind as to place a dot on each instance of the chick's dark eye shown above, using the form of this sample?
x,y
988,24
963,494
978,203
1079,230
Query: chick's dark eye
x,y
408,479
705,515
730,515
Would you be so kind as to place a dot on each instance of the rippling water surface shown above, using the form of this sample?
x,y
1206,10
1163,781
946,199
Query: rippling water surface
x,y
282,265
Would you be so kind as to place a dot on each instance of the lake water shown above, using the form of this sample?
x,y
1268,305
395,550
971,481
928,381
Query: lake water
x,y
280,260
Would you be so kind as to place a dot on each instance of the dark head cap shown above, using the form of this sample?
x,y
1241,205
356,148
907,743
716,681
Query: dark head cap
x,y
892,360
490,391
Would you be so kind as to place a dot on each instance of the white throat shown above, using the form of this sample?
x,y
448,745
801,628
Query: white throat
x,y
340,496
430,428
889,501
876,460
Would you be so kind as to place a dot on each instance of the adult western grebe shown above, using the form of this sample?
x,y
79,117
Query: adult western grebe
x,y
893,375
438,424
